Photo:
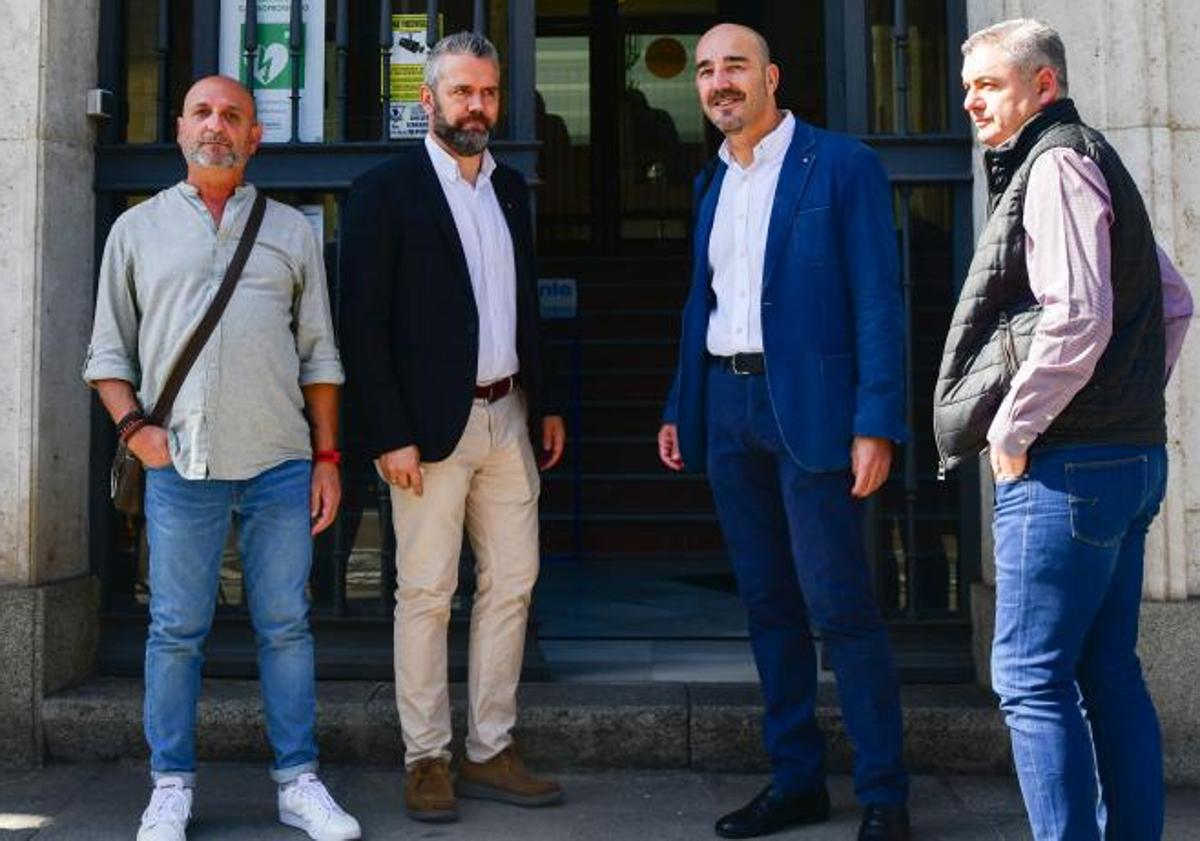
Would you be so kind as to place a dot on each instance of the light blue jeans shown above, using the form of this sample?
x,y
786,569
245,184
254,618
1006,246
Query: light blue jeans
x,y
187,523
1070,542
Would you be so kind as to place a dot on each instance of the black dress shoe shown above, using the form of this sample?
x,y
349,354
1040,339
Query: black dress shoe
x,y
885,822
769,812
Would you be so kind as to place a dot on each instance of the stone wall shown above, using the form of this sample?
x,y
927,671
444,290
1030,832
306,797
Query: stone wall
x,y
47,600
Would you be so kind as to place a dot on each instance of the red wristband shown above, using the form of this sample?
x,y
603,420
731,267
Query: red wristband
x,y
330,456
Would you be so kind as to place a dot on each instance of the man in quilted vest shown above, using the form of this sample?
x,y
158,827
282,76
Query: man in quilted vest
x,y
1066,331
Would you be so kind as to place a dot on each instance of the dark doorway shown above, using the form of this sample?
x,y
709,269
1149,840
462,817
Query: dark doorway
x,y
622,139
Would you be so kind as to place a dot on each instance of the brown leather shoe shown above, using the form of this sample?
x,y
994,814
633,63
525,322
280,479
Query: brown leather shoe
x,y
429,791
504,777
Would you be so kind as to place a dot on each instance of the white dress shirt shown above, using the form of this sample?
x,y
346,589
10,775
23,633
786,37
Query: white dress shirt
x,y
739,241
487,245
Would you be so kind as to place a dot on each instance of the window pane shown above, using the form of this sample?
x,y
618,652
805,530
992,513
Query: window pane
x,y
662,136
925,525
927,66
141,73
564,128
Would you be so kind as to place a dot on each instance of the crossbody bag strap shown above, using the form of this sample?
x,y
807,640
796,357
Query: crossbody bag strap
x,y
204,329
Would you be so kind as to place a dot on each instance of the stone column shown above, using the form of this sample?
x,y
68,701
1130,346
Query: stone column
x,y
1129,66
48,601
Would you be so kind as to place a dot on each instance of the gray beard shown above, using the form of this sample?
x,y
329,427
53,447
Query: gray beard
x,y
199,156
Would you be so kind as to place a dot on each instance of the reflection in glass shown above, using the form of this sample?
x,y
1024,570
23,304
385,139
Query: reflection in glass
x,y
661,136
565,130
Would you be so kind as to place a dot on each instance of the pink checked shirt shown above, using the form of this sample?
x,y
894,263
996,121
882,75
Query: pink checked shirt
x,y
1068,252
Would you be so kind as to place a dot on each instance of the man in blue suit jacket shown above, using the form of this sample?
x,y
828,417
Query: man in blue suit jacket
x,y
790,392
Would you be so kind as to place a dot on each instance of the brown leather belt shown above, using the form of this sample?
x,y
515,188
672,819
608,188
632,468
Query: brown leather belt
x,y
492,392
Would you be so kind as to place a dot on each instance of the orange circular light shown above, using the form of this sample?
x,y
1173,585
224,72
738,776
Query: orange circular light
x,y
666,58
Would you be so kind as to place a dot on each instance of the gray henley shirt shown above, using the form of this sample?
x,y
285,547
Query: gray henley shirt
x,y
241,410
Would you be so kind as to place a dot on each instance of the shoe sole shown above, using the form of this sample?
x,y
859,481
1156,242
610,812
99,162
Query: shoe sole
x,y
433,815
479,791
296,822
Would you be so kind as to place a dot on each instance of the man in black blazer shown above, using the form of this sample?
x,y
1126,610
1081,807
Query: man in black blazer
x,y
441,348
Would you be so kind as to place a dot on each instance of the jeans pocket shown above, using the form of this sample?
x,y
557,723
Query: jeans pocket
x,y
1104,496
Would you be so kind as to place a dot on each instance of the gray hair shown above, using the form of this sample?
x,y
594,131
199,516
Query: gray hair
x,y
1031,43
460,43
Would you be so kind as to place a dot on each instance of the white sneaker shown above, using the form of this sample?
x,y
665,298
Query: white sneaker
x,y
307,805
166,818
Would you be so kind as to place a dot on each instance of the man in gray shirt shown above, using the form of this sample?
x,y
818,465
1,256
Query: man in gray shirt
x,y
252,436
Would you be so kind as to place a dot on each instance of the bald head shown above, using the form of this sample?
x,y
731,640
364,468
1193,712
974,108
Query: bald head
x,y
218,129
221,87
725,32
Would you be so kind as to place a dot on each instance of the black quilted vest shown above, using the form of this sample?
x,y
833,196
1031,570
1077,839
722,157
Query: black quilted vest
x,y
996,314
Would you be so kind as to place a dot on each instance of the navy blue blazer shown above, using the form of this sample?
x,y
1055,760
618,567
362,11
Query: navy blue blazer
x,y
832,312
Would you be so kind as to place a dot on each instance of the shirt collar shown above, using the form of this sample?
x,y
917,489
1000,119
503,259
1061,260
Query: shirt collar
x,y
773,146
193,191
447,166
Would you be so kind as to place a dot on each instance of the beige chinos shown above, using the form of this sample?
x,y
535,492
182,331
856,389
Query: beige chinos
x,y
489,483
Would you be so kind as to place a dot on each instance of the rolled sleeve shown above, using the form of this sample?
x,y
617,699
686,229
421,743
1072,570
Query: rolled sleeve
x,y
315,343
113,351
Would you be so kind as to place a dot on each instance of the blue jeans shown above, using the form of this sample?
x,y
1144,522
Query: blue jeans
x,y
1070,540
796,541
187,523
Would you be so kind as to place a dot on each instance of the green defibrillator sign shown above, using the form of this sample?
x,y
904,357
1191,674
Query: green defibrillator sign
x,y
273,59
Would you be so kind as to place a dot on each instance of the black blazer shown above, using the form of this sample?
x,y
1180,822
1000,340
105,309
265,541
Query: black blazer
x,y
410,328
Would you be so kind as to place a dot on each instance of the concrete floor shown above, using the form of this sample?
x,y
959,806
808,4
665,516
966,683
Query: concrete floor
x,y
236,801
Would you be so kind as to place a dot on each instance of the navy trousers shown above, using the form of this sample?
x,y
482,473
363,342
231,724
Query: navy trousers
x,y
796,542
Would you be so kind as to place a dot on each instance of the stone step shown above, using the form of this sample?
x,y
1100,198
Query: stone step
x,y
563,726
